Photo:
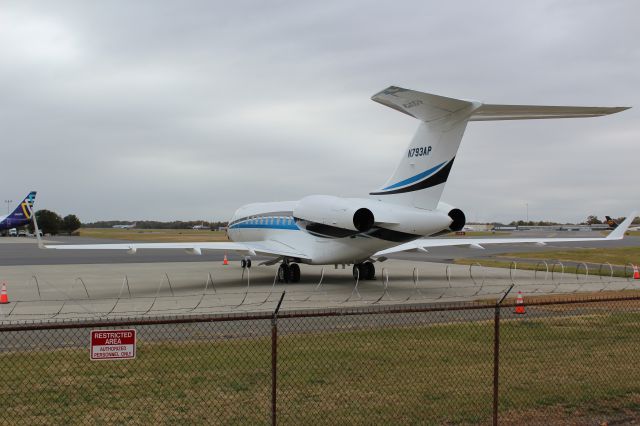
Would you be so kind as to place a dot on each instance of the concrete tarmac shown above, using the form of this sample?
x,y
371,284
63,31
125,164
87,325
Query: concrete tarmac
x,y
51,284
52,292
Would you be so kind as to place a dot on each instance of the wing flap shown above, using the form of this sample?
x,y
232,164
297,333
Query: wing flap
x,y
269,248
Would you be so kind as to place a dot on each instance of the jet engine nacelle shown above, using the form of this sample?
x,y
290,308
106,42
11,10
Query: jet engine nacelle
x,y
457,216
325,212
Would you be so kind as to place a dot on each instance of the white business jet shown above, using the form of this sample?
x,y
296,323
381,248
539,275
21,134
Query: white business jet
x,y
130,226
404,214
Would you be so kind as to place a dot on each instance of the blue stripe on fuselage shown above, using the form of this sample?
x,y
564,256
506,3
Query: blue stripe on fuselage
x,y
246,225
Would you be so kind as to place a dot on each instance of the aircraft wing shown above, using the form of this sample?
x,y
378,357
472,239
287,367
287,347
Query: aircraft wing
x,y
269,247
424,243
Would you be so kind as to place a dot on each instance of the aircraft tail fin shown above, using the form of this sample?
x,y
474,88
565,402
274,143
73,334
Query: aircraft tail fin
x,y
422,173
618,233
612,223
22,212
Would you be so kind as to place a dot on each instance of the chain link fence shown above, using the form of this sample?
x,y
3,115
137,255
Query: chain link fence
x,y
465,363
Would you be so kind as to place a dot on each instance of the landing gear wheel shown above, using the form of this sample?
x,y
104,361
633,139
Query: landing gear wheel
x,y
284,273
243,263
248,263
364,271
294,272
369,271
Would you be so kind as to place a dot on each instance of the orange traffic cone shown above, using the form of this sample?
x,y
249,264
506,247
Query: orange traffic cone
x,y
4,297
636,274
225,261
519,304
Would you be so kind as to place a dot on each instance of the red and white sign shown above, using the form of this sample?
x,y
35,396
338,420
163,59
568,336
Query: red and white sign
x,y
113,344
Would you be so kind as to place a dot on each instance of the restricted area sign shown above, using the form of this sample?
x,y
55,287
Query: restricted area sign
x,y
113,344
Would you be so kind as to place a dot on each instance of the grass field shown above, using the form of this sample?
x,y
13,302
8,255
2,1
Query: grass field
x,y
594,256
568,269
553,369
158,235
616,256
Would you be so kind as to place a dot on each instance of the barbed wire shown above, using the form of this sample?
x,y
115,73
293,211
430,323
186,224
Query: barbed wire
x,y
473,284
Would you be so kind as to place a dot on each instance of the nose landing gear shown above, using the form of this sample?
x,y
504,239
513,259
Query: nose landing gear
x,y
364,271
245,263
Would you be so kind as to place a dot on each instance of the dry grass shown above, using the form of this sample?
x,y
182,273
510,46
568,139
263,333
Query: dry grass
x,y
615,256
529,264
434,374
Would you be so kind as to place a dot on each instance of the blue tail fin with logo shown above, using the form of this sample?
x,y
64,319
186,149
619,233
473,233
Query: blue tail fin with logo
x,y
22,212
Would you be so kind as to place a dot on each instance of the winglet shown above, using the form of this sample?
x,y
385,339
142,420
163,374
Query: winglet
x,y
618,233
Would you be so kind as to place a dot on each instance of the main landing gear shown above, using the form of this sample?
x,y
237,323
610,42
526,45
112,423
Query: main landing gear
x,y
289,273
364,271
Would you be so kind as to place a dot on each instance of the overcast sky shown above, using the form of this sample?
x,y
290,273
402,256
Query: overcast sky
x,y
188,109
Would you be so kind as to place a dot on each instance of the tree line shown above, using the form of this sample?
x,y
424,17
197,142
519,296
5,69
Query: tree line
x,y
52,223
591,220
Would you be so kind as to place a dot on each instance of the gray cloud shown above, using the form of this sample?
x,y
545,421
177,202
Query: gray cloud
x,y
184,110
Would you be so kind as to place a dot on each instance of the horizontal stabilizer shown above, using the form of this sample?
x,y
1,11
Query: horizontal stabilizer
x,y
528,112
420,105
428,107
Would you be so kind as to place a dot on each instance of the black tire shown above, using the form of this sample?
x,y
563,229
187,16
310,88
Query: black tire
x,y
248,263
369,271
295,272
284,273
243,263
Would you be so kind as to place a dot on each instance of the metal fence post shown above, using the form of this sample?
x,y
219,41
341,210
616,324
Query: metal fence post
x,y
274,359
496,354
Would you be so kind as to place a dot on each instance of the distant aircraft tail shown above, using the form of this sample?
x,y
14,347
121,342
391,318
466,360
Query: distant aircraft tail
x,y
612,223
419,178
22,213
